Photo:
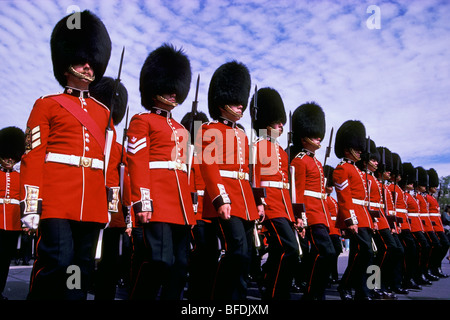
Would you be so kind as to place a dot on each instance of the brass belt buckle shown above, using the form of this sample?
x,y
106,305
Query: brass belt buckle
x,y
178,166
86,162
241,175
6,201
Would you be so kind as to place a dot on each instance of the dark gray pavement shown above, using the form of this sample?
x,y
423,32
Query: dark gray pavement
x,y
18,280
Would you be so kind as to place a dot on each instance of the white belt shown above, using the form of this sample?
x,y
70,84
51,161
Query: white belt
x,y
411,214
435,214
200,193
424,214
375,204
74,160
9,201
171,165
234,175
333,218
360,202
275,184
315,194
402,210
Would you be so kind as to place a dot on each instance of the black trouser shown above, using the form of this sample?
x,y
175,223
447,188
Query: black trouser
x,y
360,257
165,269
63,243
411,257
445,244
203,261
337,244
389,258
424,250
283,254
8,245
108,271
230,281
321,256
436,249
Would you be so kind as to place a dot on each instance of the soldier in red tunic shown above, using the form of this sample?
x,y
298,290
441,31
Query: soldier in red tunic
x,y
430,235
271,173
228,202
205,250
435,218
107,272
309,130
335,233
12,147
157,157
63,170
353,215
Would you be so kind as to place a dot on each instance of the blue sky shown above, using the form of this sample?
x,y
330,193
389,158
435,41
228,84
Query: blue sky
x,y
394,79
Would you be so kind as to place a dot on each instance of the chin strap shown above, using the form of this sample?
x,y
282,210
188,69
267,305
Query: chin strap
x,y
165,101
80,75
235,114
318,145
354,154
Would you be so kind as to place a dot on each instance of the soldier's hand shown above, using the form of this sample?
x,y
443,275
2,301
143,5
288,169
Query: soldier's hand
x,y
144,216
353,228
225,211
261,212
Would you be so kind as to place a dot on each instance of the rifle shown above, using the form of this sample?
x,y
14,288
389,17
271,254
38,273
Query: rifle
x,y
258,193
327,153
328,150
109,133
297,208
191,129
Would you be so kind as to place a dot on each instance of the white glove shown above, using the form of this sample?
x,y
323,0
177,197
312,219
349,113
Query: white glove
x,y
31,220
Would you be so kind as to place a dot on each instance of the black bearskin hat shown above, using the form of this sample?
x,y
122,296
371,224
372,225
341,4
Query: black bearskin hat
x,y
165,71
328,173
12,143
409,173
351,134
385,163
397,168
433,178
230,85
186,121
70,46
423,177
373,155
270,109
373,152
308,121
103,92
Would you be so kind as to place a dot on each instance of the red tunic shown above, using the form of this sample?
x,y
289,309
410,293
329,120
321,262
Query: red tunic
x,y
376,201
350,188
224,166
424,214
435,213
157,151
272,174
400,205
67,191
310,188
390,210
413,213
9,200
333,210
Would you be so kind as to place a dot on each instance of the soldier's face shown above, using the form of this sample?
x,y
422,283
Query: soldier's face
x,y
275,129
7,163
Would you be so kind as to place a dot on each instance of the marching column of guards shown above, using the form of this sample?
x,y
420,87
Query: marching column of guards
x,y
192,208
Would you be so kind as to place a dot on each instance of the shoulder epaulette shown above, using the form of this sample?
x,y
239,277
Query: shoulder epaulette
x,y
301,154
